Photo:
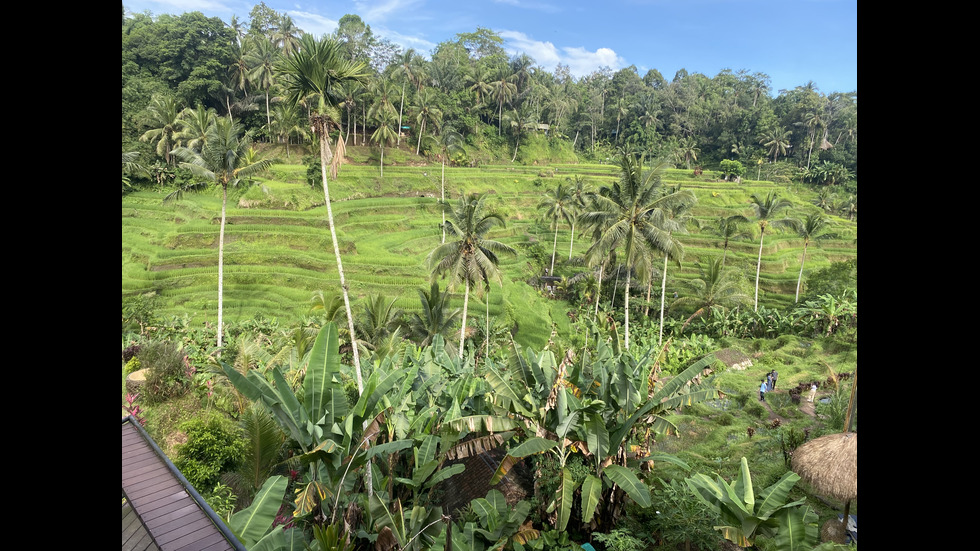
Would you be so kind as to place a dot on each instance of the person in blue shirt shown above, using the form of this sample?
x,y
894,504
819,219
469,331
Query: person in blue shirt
x,y
762,391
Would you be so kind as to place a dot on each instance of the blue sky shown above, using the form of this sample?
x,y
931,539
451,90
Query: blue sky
x,y
792,41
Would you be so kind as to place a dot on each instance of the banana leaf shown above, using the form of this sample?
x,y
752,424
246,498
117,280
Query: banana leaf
x,y
591,495
627,480
251,523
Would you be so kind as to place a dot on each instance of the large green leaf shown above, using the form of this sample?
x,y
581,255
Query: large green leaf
x,y
251,523
533,445
627,480
566,495
591,495
319,385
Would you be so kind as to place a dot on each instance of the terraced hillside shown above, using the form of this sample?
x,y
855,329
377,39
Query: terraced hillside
x,y
278,250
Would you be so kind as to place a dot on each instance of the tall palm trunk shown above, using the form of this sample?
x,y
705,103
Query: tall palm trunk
x,y
553,248
401,106
572,242
462,330
326,156
443,200
221,264
663,295
627,309
800,278
758,268
598,291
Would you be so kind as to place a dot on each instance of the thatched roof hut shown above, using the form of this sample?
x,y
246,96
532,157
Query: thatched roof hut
x,y
829,464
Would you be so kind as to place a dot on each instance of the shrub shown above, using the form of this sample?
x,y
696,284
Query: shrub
x,y
725,419
619,540
213,447
132,365
166,377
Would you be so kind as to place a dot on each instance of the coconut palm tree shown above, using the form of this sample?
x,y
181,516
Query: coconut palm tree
x,y
316,69
674,220
814,226
777,141
766,209
450,142
261,61
384,134
715,289
469,257
425,106
502,89
729,228
164,122
560,207
625,216
435,317
194,125
222,162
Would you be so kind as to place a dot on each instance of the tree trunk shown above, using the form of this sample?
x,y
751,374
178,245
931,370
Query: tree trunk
x,y
663,295
800,278
572,242
553,248
401,107
326,156
758,268
627,310
221,264
462,330
444,200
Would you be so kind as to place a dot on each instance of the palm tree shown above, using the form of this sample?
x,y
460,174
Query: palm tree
x,y
471,258
580,196
560,205
814,226
777,141
384,134
261,62
731,227
287,35
287,122
502,90
765,209
715,289
435,318
164,122
194,125
316,69
221,161
626,216
674,220
450,142
427,111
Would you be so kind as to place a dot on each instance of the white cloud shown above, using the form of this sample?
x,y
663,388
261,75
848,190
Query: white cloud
x,y
313,23
580,61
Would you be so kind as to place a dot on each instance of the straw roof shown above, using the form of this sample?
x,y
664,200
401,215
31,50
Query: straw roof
x,y
829,464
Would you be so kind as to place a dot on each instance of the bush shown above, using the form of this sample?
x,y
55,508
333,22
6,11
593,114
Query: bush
x,y
166,377
213,447
132,365
725,419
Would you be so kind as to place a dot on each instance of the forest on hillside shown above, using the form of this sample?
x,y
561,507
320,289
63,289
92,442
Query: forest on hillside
x,y
178,72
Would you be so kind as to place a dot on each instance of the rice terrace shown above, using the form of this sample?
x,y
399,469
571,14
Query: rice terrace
x,y
462,302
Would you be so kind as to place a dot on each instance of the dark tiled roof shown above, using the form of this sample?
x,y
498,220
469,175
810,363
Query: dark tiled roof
x,y
161,511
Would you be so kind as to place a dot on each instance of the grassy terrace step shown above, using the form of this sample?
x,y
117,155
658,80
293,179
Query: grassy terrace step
x,y
278,249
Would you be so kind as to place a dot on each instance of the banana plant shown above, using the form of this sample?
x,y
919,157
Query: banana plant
x,y
593,411
746,515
